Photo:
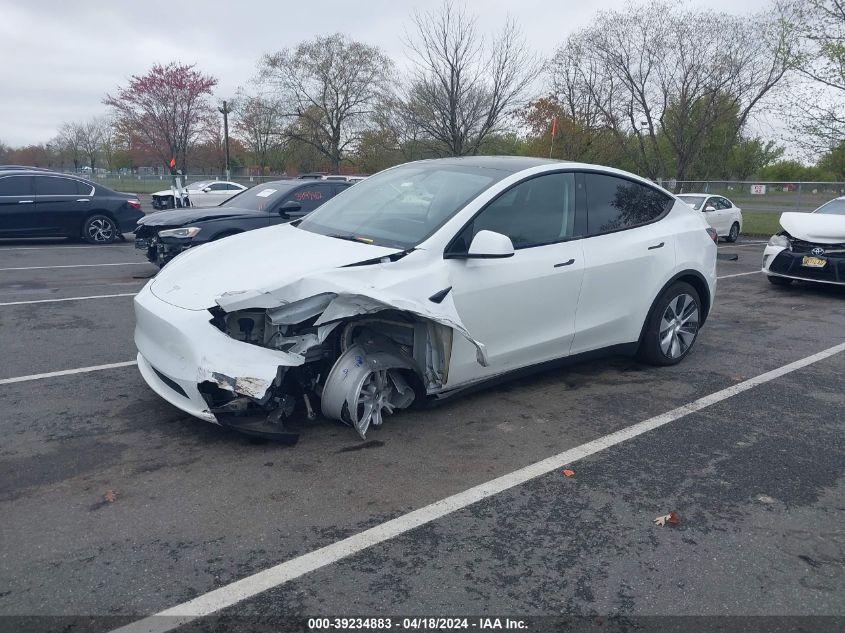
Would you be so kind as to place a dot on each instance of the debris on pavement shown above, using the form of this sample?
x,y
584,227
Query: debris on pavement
x,y
567,472
672,518
110,496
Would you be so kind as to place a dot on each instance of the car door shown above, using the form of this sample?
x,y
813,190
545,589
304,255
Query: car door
x,y
727,214
62,204
17,206
522,308
711,216
307,197
627,253
218,192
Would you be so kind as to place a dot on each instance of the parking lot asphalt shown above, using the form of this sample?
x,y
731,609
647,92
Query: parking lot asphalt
x,y
756,478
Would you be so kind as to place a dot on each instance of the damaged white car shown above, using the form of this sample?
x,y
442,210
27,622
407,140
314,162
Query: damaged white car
x,y
420,282
810,248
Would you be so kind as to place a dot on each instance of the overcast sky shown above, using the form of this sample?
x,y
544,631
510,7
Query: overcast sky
x,y
60,57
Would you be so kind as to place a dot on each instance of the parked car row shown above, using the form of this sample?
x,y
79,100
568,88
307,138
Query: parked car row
x,y
165,234
423,281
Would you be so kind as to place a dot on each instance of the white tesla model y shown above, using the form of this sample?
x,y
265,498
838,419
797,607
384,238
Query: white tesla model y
x,y
420,282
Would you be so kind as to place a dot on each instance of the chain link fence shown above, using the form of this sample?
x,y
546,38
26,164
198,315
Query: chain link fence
x,y
750,195
761,196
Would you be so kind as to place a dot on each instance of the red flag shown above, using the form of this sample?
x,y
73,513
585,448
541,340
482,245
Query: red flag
x,y
172,163
554,125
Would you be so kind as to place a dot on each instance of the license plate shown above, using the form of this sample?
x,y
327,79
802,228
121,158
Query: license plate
x,y
142,244
813,262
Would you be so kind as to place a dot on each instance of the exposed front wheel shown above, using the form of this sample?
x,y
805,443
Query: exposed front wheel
x,y
100,229
734,232
672,326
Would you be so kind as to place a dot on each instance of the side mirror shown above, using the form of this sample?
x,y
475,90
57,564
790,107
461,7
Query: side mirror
x,y
291,206
206,189
490,245
709,208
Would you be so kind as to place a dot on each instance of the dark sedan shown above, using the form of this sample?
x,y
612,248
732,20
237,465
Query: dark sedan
x,y
50,204
165,234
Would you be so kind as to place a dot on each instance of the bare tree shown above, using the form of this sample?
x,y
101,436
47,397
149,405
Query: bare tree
x,y
667,77
70,141
818,102
168,108
333,84
463,88
259,123
91,140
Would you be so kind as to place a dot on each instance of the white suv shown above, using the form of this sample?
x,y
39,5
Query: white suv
x,y
421,281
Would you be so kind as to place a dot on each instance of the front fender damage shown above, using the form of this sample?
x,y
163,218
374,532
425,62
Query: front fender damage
x,y
361,370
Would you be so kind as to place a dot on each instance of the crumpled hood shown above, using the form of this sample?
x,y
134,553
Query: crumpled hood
x,y
178,217
815,227
262,260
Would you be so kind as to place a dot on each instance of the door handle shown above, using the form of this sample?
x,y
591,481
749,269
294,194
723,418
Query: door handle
x,y
83,200
651,248
571,261
25,201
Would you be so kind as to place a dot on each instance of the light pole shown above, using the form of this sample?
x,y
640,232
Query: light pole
x,y
225,110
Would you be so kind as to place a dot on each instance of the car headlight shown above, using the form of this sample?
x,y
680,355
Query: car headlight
x,y
186,232
779,240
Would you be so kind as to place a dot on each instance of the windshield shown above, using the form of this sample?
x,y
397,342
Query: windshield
x,y
403,206
199,184
694,201
260,197
834,207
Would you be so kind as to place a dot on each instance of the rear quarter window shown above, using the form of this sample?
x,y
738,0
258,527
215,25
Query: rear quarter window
x,y
615,203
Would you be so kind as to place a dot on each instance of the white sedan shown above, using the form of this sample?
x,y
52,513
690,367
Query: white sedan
x,y
810,248
721,214
204,193
420,282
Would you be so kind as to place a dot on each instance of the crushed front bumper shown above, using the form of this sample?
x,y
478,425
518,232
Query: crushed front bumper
x,y
782,262
179,349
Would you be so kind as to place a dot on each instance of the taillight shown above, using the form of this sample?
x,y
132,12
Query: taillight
x,y
134,203
713,235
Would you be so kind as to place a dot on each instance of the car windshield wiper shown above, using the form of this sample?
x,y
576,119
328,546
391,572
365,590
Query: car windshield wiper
x,y
352,238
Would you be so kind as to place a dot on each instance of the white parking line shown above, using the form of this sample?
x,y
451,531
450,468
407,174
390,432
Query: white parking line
x,y
282,573
67,372
753,272
21,303
50,248
77,266
741,244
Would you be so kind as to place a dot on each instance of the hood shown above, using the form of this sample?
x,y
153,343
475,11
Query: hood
x,y
262,260
178,217
815,227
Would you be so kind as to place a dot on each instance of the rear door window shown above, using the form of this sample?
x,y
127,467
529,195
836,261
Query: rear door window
x,y
54,186
615,203
17,186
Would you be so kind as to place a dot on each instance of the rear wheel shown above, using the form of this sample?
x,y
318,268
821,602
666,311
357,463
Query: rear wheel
x,y
100,229
779,281
672,326
734,232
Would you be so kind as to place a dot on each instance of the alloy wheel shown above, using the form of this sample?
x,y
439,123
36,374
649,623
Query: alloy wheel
x,y
101,230
678,326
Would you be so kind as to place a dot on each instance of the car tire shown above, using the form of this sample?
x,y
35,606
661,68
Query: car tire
x,y
100,229
779,281
668,336
734,232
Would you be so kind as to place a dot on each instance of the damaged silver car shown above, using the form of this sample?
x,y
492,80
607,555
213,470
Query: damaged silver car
x,y
420,282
